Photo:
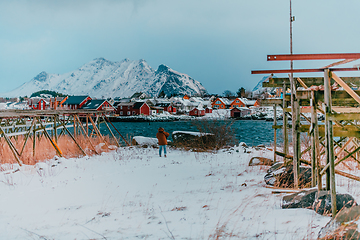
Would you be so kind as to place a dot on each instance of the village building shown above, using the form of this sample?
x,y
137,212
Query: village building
x,y
37,103
239,112
124,109
208,110
141,108
132,109
57,102
198,112
156,110
76,102
167,107
221,103
186,97
98,104
237,102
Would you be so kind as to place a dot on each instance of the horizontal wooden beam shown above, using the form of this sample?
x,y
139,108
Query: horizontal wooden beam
x,y
303,70
341,173
321,56
309,81
270,101
346,131
343,116
339,97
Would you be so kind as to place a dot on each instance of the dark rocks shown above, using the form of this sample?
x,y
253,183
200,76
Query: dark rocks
x,y
188,138
303,199
260,161
343,226
284,176
322,204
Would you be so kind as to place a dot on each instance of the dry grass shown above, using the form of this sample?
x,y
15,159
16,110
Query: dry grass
x,y
221,136
44,149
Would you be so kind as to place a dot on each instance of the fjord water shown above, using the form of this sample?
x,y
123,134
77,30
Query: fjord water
x,y
252,132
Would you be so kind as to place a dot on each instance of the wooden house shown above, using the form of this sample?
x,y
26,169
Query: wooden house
x,y
239,112
221,103
37,103
167,107
132,109
198,112
124,109
99,105
76,102
186,97
208,110
237,102
141,108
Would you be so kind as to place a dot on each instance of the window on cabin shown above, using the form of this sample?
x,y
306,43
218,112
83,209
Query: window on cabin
x,y
121,112
133,112
128,113
120,107
237,101
218,102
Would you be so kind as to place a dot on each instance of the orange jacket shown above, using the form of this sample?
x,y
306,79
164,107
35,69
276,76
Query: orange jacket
x,y
161,136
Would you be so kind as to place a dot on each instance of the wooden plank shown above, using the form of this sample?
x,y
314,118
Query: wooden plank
x,y
306,70
346,87
270,101
346,109
343,116
316,56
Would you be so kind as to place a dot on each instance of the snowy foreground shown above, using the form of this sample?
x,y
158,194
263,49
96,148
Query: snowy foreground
x,y
132,193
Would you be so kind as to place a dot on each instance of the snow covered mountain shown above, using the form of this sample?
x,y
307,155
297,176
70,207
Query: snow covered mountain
x,y
102,78
258,89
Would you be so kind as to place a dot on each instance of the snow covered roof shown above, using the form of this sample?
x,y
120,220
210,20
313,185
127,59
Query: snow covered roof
x,y
225,101
75,100
94,104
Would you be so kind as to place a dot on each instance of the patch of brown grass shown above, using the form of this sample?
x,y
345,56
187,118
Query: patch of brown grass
x,y
44,150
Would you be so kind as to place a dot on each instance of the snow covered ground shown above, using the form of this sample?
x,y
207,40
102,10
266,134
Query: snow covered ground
x,y
132,193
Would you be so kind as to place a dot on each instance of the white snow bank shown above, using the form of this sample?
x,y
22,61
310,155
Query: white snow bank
x,y
198,134
145,140
132,193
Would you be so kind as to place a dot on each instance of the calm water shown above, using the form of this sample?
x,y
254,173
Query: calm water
x,y
252,132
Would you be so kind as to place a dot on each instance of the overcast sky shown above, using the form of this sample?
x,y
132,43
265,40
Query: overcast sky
x,y
216,42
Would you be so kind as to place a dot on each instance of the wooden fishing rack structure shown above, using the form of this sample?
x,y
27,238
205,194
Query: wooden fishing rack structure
x,y
51,124
339,136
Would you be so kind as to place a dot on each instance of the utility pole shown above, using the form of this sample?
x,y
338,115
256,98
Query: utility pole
x,y
295,110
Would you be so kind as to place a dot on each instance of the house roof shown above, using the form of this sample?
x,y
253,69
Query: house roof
x,y
163,104
125,104
224,100
94,104
75,100
241,109
138,105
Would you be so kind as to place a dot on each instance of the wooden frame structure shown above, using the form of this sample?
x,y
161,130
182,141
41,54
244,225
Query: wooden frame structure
x,y
337,138
51,124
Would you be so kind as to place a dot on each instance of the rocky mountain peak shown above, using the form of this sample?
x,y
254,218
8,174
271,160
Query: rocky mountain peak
x,y
162,69
103,78
41,77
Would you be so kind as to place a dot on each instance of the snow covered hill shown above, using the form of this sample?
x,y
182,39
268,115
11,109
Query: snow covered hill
x,y
258,89
103,78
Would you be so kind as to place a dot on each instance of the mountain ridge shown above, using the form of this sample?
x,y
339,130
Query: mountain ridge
x,y
104,78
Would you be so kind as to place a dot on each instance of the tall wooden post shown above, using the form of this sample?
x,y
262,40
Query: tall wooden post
x,y
275,125
330,173
295,109
285,122
55,128
315,163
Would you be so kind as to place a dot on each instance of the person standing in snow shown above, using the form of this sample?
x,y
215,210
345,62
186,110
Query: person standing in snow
x,y
162,136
